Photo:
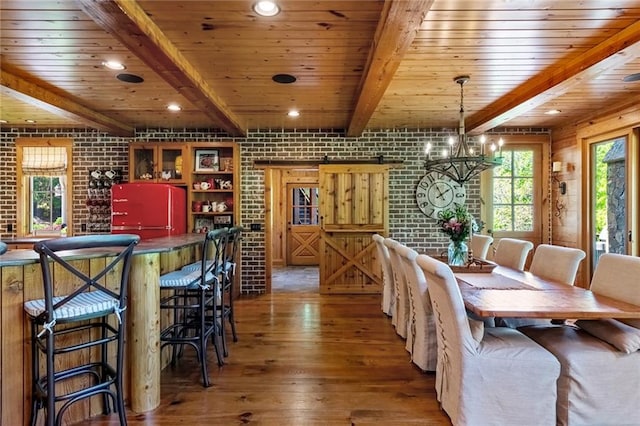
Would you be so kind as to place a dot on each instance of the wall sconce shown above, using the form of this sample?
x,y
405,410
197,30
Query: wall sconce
x,y
555,169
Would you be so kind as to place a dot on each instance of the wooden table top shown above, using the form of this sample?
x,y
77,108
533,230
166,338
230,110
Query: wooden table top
x,y
508,293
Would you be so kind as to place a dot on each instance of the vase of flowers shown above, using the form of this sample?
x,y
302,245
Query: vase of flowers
x,y
456,224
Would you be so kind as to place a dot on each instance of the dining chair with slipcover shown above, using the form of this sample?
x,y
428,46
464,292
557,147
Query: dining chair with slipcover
x,y
497,376
554,263
479,245
600,379
388,293
400,314
512,253
422,343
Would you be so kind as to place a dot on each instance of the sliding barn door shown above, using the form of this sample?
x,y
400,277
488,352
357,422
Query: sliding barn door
x,y
353,206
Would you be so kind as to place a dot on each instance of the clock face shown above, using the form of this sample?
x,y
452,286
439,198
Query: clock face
x,y
437,192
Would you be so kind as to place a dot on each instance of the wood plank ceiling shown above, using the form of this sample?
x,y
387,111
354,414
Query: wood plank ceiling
x,y
363,64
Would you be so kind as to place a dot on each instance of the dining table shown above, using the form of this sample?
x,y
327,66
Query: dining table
x,y
505,292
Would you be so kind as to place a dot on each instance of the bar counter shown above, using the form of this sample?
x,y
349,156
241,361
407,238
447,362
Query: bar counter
x,y
21,280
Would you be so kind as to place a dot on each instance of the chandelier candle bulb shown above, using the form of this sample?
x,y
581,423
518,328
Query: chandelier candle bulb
x,y
500,143
427,150
483,139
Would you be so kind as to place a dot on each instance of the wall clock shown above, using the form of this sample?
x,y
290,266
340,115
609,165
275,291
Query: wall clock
x,y
437,192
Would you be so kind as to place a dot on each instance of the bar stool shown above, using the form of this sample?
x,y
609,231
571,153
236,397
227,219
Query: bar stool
x,y
229,278
82,316
228,264
194,298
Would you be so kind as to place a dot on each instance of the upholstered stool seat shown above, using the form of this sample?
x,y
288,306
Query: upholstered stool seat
x,y
83,306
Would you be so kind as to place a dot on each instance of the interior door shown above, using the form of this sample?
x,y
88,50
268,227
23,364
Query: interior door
x,y
303,230
353,206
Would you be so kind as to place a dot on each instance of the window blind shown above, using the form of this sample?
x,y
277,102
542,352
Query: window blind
x,y
44,160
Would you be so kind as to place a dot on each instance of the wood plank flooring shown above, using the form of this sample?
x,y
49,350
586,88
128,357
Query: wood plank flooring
x,y
301,359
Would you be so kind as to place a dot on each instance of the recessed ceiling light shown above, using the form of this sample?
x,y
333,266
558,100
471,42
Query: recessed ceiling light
x,y
3,121
284,78
113,65
174,107
130,78
553,112
293,113
266,8
30,121
632,77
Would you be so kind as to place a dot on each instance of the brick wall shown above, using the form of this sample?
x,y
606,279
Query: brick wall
x,y
97,150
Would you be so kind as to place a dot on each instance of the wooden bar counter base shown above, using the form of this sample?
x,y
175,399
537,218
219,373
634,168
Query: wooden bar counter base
x,y
144,323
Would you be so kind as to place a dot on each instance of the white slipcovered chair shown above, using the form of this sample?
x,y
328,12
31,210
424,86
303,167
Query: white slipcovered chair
x,y
512,253
553,263
600,379
497,377
480,245
400,314
556,263
422,343
388,293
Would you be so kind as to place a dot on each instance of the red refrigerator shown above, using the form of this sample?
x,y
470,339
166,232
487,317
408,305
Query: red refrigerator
x,y
148,209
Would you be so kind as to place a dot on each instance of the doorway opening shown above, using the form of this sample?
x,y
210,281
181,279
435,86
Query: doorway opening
x,y
293,231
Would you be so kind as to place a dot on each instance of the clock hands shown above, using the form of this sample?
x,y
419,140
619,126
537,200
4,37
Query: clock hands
x,y
440,193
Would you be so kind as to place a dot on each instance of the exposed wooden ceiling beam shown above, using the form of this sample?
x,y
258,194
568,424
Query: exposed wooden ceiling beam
x,y
20,88
399,23
127,22
558,79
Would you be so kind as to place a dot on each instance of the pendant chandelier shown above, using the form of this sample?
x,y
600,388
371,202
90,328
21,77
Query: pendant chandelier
x,y
460,162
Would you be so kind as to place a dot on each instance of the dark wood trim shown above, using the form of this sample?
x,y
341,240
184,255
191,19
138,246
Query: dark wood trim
x,y
326,160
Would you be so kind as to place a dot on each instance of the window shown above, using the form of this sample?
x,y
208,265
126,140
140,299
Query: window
x,y
514,196
305,206
513,185
43,170
47,204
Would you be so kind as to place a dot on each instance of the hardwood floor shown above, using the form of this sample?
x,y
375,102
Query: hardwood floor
x,y
302,359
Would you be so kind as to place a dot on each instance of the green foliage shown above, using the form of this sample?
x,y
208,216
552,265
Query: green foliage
x,y
46,206
600,185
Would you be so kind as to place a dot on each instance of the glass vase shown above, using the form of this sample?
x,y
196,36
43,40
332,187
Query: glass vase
x,y
457,253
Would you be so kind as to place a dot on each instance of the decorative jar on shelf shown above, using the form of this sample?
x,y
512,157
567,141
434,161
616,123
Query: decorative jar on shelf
x,y
457,253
